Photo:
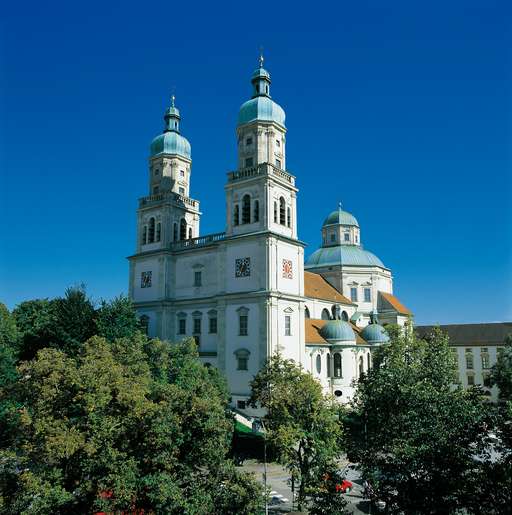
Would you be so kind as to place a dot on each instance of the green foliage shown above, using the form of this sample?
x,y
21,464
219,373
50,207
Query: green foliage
x,y
415,434
116,319
106,429
501,372
8,328
302,424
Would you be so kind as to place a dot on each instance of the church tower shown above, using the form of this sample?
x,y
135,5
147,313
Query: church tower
x,y
168,214
261,194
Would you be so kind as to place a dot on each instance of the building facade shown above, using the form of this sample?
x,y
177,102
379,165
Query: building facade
x,y
243,293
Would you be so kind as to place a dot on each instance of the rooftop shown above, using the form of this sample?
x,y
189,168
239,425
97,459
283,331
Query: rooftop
x,y
316,287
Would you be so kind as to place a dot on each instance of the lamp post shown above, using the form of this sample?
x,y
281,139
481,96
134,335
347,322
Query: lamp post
x,y
258,427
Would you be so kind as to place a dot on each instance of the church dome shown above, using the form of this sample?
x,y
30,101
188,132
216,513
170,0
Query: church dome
x,y
342,255
340,217
170,142
375,333
338,331
261,108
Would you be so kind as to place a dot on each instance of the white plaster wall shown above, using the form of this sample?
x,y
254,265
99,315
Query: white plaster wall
x,y
205,261
154,265
242,248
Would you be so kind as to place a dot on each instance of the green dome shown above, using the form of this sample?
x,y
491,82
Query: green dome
x,y
342,255
340,217
375,333
338,331
261,108
170,142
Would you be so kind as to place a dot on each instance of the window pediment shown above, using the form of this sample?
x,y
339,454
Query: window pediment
x,y
242,353
242,310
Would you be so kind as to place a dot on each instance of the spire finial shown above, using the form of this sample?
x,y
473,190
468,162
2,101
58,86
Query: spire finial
x,y
261,58
173,98
339,206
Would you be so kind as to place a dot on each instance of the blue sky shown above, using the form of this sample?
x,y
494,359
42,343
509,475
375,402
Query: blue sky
x,y
400,110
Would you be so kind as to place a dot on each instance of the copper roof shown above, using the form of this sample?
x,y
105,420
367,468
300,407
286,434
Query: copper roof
x,y
316,287
394,303
313,335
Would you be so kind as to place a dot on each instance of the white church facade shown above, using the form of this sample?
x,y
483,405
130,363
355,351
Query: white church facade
x,y
248,292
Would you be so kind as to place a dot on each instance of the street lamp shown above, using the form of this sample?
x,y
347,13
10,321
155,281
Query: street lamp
x,y
258,427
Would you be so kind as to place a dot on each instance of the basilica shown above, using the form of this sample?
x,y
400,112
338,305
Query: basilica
x,y
248,292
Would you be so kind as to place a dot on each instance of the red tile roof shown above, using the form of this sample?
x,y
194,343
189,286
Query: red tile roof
x,y
316,287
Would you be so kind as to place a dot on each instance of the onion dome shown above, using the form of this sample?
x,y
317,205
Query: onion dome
x,y
171,141
338,331
261,106
340,217
343,255
374,333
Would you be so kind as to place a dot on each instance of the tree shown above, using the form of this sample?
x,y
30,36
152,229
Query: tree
x,y
501,372
116,319
415,434
106,430
302,424
8,328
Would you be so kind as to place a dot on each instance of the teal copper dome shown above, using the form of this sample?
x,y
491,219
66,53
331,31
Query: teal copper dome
x,y
171,141
342,255
340,217
261,108
374,334
338,331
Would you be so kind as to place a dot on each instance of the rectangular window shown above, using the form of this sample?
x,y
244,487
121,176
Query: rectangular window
x,y
197,278
469,359
213,325
347,236
367,295
197,326
243,325
278,163
182,326
182,191
145,279
287,325
182,173
240,404
248,162
155,190
248,141
242,363
278,143
487,379
485,361
353,294
471,380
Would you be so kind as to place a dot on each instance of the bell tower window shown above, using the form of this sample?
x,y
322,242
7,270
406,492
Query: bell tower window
x,y
151,235
275,212
246,209
158,231
183,229
256,213
249,162
282,211
236,215
145,235
289,217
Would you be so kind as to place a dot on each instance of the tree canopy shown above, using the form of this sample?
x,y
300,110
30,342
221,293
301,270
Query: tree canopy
x,y
415,434
302,424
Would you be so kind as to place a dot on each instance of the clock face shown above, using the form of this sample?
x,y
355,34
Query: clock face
x,y
243,267
287,269
145,280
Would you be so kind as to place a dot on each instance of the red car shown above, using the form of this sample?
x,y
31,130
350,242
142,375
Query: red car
x,y
344,487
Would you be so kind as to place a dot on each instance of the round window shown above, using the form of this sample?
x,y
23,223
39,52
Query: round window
x,y
318,363
338,393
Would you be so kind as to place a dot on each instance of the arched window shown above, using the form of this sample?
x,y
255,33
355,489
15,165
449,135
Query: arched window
x,y
369,361
344,316
282,211
338,365
246,209
190,233
333,311
329,364
325,314
256,212
175,232
236,215
318,363
275,212
151,235
158,231
361,366
289,217
183,229
306,312
145,235
144,324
